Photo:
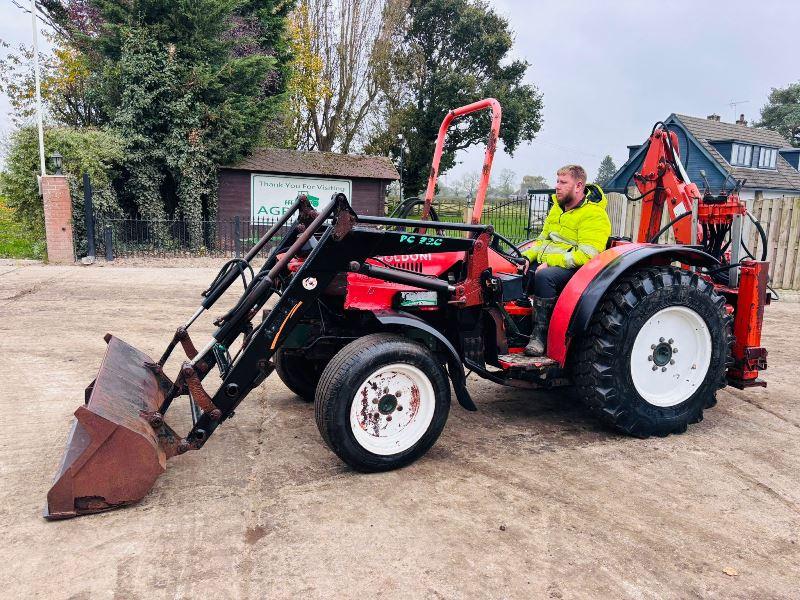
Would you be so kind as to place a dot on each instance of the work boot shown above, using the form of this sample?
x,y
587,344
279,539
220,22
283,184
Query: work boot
x,y
542,310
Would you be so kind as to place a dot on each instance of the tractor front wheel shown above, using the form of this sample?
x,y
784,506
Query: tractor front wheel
x,y
382,402
656,352
298,374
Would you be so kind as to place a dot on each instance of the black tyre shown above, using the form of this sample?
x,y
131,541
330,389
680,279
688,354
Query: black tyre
x,y
655,353
382,402
300,375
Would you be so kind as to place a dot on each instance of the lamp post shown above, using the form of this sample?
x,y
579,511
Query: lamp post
x,y
40,126
401,140
56,160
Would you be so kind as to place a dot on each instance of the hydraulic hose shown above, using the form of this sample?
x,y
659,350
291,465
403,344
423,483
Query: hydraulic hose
x,y
224,280
661,231
761,233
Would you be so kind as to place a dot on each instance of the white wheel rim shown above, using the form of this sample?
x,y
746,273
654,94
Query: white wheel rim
x,y
392,409
671,356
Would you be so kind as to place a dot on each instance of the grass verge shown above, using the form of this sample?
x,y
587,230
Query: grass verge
x,y
16,239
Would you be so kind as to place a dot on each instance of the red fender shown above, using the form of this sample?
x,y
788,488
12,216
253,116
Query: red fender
x,y
557,340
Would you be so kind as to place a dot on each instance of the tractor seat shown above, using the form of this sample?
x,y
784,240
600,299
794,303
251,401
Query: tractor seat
x,y
616,240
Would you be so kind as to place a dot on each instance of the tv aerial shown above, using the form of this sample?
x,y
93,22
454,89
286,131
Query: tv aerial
x,y
733,104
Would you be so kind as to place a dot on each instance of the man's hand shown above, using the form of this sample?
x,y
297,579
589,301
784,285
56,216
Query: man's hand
x,y
541,266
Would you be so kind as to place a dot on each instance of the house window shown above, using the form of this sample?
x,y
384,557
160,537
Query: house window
x,y
741,155
767,158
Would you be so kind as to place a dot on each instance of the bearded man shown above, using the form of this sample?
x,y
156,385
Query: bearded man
x,y
576,230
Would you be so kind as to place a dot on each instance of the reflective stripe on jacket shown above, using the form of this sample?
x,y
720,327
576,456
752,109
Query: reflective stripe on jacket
x,y
572,238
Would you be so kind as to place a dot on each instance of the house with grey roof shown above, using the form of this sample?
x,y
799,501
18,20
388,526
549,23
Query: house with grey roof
x,y
727,153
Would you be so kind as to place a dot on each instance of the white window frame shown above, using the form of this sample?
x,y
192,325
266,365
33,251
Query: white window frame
x,y
738,150
771,156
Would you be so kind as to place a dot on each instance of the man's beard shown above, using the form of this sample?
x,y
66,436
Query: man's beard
x,y
566,201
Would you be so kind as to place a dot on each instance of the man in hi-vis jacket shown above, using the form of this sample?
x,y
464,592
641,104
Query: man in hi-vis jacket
x,y
576,230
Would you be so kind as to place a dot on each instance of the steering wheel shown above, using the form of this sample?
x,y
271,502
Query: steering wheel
x,y
404,209
519,259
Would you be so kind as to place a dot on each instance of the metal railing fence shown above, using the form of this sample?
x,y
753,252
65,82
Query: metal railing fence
x,y
517,218
134,237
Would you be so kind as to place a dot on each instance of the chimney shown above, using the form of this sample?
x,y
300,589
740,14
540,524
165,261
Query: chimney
x,y
741,120
713,117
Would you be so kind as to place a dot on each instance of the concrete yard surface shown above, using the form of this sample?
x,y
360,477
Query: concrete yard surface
x,y
528,498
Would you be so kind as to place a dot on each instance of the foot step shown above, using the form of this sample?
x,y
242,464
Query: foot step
x,y
521,361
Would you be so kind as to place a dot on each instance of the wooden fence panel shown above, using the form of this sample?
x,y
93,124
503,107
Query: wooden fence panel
x,y
629,217
792,248
636,219
666,218
755,239
784,224
632,216
616,213
772,234
780,218
765,219
796,277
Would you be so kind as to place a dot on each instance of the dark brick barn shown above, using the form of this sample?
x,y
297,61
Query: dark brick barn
x,y
241,186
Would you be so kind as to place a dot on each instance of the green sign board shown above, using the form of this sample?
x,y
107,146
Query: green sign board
x,y
272,195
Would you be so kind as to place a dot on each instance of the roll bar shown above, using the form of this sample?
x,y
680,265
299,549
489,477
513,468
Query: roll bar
x,y
491,146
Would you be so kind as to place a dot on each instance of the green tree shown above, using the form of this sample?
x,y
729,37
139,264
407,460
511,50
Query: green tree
x,y
533,182
96,152
503,182
339,47
782,113
450,53
606,171
467,184
64,85
188,84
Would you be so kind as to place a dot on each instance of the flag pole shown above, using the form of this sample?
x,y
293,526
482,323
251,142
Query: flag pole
x,y
35,26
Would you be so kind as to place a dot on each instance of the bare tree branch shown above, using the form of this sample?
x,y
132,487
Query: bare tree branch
x,y
351,39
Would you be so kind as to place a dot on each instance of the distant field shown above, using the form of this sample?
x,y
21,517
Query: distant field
x,y
509,218
16,240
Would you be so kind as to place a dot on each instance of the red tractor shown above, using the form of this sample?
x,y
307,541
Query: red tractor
x,y
374,318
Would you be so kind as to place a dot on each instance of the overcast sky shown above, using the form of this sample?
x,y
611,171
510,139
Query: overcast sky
x,y
15,29
609,69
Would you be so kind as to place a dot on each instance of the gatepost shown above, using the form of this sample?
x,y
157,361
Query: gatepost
x,y
58,219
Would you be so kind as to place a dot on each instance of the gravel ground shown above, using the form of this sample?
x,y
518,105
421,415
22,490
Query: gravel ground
x,y
528,498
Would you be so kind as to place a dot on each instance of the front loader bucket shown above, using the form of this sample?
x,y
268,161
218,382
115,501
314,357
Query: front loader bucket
x,y
114,454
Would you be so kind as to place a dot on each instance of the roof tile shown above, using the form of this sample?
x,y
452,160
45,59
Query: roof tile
x,y
330,164
705,131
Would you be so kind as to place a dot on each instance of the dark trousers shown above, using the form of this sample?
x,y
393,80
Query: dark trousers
x,y
548,282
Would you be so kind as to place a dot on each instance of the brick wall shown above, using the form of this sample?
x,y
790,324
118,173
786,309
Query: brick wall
x,y
58,219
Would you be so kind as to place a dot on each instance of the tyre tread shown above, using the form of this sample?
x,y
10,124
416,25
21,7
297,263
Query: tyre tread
x,y
337,374
595,369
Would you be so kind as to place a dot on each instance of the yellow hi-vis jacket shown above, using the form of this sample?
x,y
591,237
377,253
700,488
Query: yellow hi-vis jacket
x,y
572,238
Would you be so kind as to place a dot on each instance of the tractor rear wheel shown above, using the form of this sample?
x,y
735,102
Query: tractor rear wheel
x,y
655,353
300,375
382,402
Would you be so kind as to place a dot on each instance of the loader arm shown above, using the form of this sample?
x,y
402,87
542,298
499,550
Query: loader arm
x,y
332,255
120,442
